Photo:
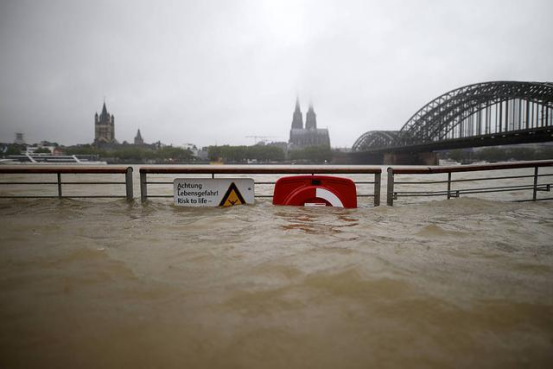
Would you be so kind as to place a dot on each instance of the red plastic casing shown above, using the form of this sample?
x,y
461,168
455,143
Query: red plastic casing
x,y
328,190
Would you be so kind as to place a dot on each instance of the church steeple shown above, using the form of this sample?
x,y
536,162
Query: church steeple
x,y
297,120
104,110
311,118
104,127
138,140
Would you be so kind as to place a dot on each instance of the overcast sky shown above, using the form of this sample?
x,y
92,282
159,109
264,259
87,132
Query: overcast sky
x,y
215,72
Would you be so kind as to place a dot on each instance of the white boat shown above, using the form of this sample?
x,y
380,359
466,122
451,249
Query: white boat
x,y
448,162
51,159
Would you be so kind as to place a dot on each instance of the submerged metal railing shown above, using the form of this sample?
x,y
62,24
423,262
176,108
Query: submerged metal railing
x,y
534,186
448,191
59,170
258,169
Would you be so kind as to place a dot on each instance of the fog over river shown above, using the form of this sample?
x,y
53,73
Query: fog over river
x,y
457,283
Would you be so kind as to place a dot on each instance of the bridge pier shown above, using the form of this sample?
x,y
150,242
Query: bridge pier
x,y
423,158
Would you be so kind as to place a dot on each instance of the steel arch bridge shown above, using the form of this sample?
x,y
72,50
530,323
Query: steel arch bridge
x,y
472,112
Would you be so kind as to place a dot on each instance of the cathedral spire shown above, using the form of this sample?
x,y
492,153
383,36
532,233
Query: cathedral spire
x,y
104,110
297,120
311,118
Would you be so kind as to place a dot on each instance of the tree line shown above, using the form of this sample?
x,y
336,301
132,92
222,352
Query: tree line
x,y
241,154
166,154
268,153
170,154
497,154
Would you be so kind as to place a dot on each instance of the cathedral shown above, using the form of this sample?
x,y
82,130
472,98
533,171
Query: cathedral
x,y
104,128
301,137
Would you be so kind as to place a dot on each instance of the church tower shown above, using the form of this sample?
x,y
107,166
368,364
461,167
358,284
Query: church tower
x,y
311,118
138,140
104,127
301,137
297,121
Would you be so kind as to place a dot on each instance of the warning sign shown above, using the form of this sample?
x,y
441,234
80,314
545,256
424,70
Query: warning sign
x,y
205,192
232,197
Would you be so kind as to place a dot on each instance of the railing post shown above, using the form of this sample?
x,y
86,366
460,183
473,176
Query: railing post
x,y
128,183
59,185
377,181
535,192
143,187
390,188
449,185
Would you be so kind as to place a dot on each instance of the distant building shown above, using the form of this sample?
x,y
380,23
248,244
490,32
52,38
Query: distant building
x,y
104,128
19,139
138,140
193,148
301,137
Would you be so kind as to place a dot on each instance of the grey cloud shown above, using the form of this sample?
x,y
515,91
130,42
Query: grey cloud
x,y
217,71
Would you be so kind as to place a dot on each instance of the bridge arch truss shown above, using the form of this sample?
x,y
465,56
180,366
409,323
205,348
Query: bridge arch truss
x,y
475,110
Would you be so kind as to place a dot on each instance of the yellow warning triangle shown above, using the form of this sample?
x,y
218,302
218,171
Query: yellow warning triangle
x,y
232,197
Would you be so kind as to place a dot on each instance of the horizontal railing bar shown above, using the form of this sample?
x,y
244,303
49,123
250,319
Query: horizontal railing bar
x,y
494,178
92,183
420,182
460,192
65,197
168,182
64,183
258,169
470,179
257,183
470,190
497,188
418,194
77,169
405,193
444,192
490,178
28,183
473,168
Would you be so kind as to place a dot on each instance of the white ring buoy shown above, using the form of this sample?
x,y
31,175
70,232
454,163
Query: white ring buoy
x,y
321,193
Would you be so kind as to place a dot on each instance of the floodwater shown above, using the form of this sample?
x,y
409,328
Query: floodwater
x,y
455,283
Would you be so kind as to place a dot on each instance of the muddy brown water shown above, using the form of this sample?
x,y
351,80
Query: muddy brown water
x,y
107,284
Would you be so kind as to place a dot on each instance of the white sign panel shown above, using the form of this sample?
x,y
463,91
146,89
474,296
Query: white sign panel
x,y
202,192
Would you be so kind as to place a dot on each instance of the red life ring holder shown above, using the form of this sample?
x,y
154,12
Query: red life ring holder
x,y
315,190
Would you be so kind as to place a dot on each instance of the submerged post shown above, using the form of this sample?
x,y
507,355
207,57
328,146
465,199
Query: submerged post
x,y
377,180
390,190
535,189
59,185
143,187
128,183
449,185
